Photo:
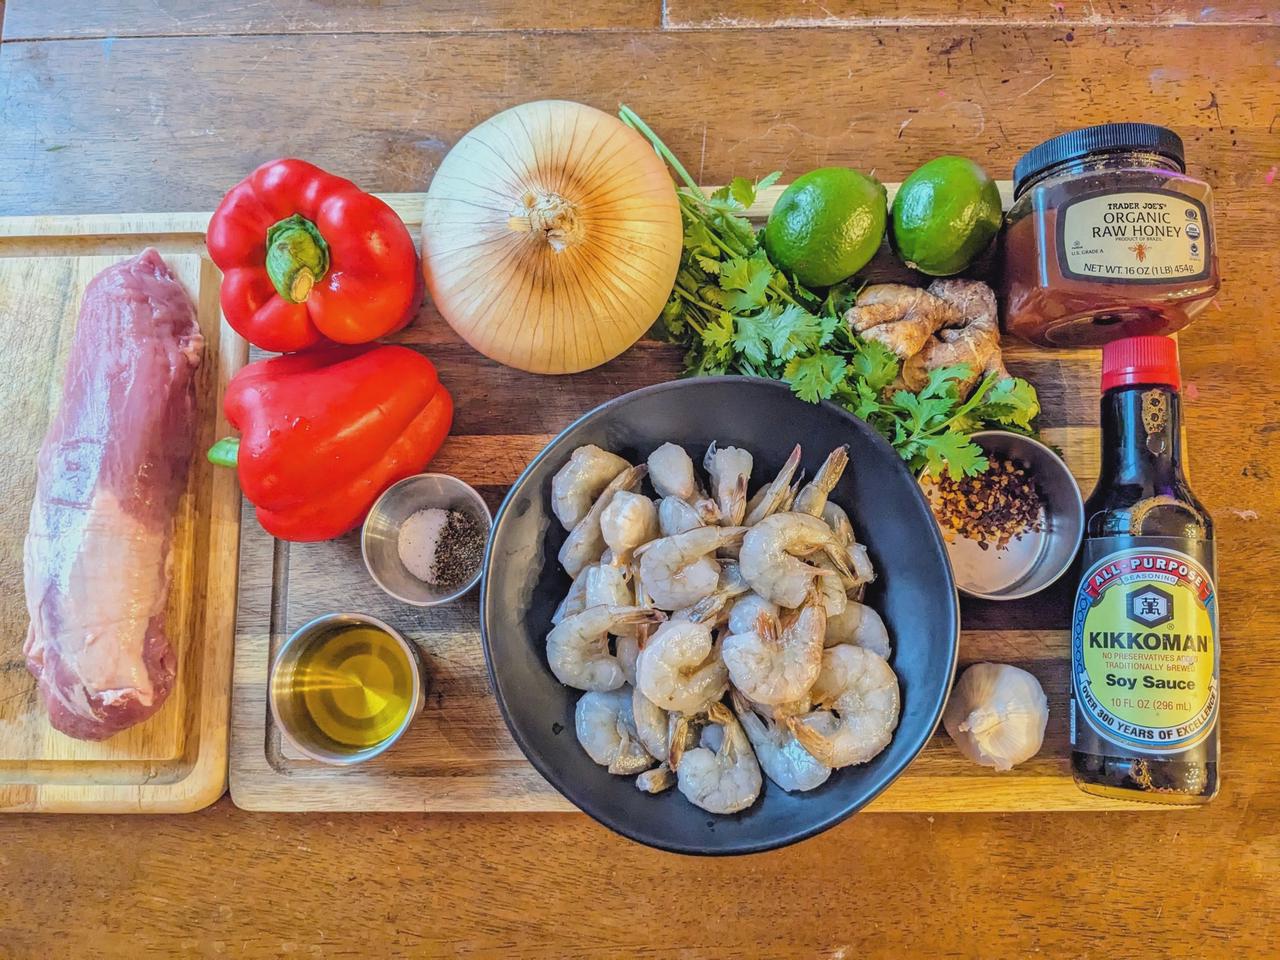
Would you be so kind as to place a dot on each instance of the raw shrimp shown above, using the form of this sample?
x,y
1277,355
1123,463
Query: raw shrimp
x,y
779,753
861,626
768,500
575,601
711,609
671,472
585,542
859,559
629,520
746,612
653,725
771,551
833,588
677,516
861,689
627,650
792,708
605,584
730,470
578,646
679,669
577,484
726,780
772,667
813,497
606,729
838,521
678,571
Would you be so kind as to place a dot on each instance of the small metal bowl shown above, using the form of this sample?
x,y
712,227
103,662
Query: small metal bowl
x,y
381,531
285,699
1037,558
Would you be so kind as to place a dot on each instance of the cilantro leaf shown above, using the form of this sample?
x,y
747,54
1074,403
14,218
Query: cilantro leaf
x,y
923,413
945,381
1011,401
953,453
876,364
815,377
742,191
752,338
768,180
718,334
745,280
795,330
868,401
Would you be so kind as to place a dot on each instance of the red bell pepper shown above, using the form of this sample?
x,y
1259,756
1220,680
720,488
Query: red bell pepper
x,y
324,432
306,256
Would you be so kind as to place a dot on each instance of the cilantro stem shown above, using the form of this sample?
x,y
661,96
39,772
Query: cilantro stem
x,y
632,120
695,300
697,214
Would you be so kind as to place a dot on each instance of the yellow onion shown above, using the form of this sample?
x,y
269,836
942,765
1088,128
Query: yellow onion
x,y
551,237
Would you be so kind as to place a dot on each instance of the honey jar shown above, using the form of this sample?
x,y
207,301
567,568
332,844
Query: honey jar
x,y
1108,237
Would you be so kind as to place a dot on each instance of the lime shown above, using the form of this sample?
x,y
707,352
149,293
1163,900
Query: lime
x,y
944,215
826,225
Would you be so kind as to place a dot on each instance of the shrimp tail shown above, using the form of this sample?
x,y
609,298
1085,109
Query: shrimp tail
x,y
718,713
771,498
839,559
814,743
677,737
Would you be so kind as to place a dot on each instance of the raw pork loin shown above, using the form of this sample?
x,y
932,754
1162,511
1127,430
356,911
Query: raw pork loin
x,y
109,476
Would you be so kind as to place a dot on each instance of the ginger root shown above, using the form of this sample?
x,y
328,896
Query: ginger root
x,y
952,322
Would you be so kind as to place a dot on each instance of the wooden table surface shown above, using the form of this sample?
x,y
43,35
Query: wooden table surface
x,y
123,105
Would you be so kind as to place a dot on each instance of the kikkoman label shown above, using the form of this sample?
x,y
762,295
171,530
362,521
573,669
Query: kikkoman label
x,y
1144,649
1146,236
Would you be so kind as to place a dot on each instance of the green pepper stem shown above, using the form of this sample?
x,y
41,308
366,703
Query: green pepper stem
x,y
297,257
225,452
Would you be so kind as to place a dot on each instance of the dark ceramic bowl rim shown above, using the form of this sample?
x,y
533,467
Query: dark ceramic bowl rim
x,y
594,809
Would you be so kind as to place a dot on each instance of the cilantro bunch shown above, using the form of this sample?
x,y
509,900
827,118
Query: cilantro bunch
x,y
735,312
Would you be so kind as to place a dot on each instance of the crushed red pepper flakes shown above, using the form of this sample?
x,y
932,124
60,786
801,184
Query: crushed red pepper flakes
x,y
990,508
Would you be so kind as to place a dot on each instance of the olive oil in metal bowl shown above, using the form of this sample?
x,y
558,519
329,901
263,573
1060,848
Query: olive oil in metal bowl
x,y
345,687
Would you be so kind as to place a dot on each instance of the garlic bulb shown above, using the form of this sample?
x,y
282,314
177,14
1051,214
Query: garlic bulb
x,y
551,237
997,715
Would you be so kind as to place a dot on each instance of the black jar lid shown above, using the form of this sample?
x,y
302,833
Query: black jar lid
x,y
1076,144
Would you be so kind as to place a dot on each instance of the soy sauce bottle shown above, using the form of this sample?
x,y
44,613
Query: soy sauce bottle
x,y
1144,626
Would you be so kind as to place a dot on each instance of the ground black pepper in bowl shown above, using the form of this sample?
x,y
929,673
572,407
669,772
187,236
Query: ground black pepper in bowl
x,y
461,549
991,508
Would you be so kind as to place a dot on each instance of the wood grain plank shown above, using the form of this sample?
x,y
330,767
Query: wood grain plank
x,y
40,20
687,14
397,124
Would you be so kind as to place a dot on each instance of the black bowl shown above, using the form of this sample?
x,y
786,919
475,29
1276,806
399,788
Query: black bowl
x,y
915,593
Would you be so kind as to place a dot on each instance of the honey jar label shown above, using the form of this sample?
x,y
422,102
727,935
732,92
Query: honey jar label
x,y
1144,649
1134,236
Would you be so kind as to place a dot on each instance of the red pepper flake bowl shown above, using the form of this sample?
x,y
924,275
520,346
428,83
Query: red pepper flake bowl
x,y
380,537
1037,555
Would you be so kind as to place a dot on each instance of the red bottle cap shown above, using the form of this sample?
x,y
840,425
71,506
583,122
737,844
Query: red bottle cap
x,y
1143,360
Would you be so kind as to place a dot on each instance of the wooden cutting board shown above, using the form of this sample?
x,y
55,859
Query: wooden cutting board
x,y
177,760
458,755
